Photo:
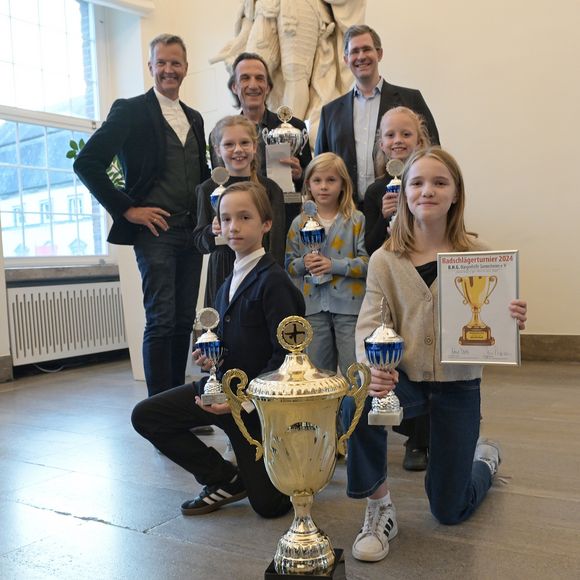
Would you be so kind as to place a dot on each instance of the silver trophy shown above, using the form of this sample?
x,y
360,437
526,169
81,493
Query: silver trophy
x,y
384,350
287,133
313,236
395,169
211,346
219,175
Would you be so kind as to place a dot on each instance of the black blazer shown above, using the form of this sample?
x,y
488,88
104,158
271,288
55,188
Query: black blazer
x,y
336,128
249,322
134,132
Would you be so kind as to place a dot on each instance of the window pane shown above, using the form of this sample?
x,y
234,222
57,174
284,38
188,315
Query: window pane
x,y
47,57
7,94
9,189
7,144
27,81
5,39
32,145
25,10
57,145
45,209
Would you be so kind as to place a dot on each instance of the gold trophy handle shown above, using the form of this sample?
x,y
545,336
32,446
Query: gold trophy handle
x,y
359,394
236,400
459,286
491,289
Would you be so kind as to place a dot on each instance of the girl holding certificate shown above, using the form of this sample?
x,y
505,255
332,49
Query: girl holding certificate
x,y
461,466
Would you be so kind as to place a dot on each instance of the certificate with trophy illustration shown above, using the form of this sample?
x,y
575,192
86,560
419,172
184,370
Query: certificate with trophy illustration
x,y
475,325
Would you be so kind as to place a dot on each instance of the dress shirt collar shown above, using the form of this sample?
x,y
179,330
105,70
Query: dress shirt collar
x,y
165,102
376,91
243,267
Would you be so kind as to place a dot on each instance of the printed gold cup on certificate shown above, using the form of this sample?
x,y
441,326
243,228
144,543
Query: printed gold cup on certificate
x,y
476,291
297,405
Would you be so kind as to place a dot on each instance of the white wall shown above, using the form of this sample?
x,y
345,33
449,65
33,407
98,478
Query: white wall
x,y
498,77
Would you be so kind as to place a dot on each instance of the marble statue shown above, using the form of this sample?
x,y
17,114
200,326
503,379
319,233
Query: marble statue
x,y
301,41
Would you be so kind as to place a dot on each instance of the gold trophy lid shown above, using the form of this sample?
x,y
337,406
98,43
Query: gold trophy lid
x,y
297,378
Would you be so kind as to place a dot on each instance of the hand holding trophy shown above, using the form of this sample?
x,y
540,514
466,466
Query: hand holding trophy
x,y
297,140
313,236
395,169
384,351
219,175
211,347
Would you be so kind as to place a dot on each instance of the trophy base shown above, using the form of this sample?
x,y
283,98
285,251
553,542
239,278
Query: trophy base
x,y
317,280
211,398
337,572
382,418
476,336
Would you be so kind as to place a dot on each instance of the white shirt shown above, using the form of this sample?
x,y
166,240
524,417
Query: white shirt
x,y
327,222
365,118
174,115
243,267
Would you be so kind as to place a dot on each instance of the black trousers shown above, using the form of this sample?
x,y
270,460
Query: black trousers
x,y
166,419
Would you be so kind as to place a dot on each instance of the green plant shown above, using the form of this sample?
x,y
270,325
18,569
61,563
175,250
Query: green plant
x,y
115,172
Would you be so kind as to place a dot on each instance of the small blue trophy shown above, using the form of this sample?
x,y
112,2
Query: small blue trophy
x,y
211,347
384,351
395,169
313,236
219,175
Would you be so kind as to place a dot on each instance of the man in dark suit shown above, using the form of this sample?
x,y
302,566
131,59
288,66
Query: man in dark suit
x,y
349,124
160,143
250,85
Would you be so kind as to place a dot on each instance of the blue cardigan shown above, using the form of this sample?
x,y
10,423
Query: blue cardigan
x,y
345,247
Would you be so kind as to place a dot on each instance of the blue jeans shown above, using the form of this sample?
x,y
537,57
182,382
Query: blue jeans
x,y
333,343
170,269
455,484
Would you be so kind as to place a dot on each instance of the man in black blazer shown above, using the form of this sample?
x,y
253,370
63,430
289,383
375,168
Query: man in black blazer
x,y
160,143
250,85
349,124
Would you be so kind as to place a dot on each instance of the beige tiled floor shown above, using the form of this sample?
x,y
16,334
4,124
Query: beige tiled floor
x,y
82,496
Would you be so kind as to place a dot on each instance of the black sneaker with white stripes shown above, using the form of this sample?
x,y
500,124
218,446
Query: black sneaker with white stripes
x,y
213,497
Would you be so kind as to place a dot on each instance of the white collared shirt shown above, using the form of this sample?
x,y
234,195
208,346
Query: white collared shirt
x,y
243,267
174,115
365,118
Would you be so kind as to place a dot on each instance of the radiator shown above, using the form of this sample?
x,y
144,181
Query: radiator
x,y
61,321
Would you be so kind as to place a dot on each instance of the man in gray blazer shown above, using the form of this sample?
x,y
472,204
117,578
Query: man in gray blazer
x,y
349,124
160,143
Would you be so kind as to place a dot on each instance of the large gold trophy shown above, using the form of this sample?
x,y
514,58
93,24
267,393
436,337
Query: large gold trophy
x,y
297,406
476,291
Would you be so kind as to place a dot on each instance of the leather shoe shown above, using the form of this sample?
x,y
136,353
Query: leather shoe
x,y
415,459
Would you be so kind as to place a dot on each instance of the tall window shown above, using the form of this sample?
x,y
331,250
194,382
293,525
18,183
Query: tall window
x,y
48,96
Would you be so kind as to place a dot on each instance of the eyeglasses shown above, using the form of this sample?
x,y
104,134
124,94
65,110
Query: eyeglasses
x,y
231,145
364,50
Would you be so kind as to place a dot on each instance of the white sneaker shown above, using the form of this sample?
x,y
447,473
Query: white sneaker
x,y
489,452
380,526
229,454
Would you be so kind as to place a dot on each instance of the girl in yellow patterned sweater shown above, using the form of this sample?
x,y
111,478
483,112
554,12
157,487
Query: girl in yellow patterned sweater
x,y
332,281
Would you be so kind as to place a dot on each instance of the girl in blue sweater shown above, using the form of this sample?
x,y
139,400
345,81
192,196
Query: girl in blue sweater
x,y
331,307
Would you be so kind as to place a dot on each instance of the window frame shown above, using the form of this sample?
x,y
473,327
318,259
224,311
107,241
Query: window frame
x,y
77,124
